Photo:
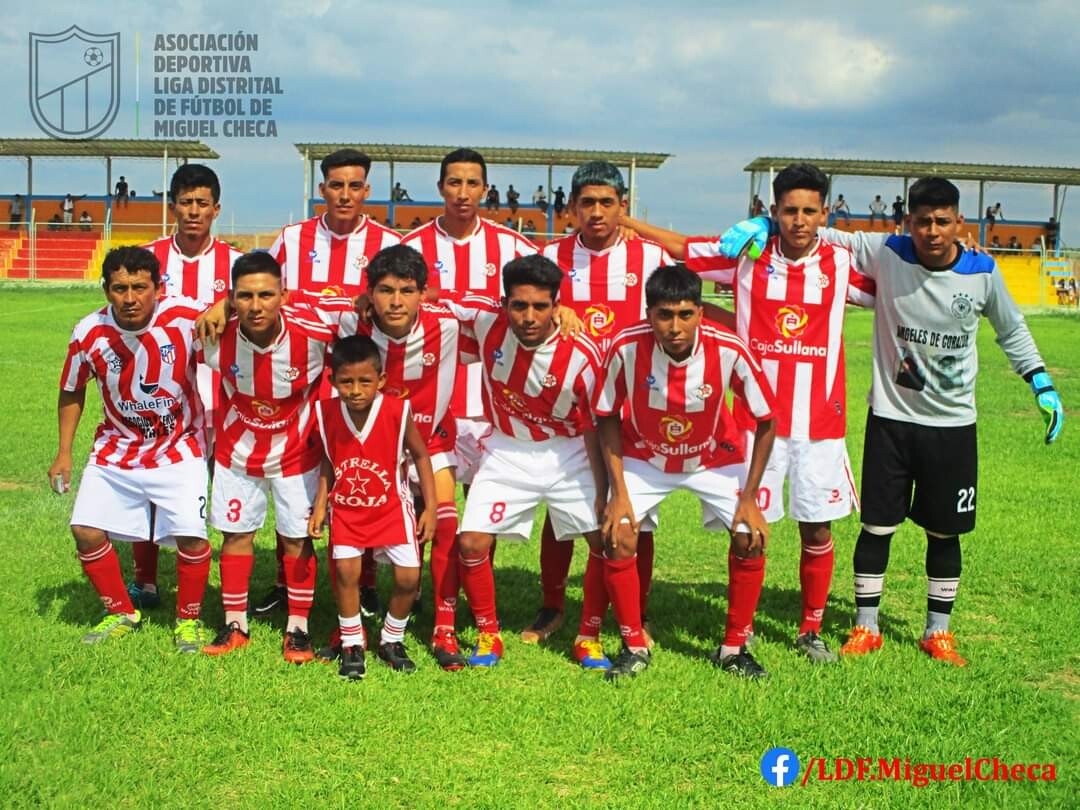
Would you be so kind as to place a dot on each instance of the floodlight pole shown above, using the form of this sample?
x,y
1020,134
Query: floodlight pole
x,y
979,214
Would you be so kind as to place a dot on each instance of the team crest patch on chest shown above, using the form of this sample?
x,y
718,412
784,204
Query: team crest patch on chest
x,y
428,359
168,353
961,306
549,381
705,391
219,285
631,279
292,373
490,269
112,360
822,281
361,262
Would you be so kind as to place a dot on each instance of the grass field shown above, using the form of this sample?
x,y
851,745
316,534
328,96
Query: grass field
x,y
132,724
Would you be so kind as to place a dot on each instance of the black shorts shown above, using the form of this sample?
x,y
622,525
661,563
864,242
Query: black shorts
x,y
940,463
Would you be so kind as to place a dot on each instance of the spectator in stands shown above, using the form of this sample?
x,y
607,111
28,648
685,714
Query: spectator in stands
x,y
85,221
990,218
757,207
131,194
509,222
1036,245
512,197
1014,243
55,222
399,194
540,198
841,209
1071,287
121,191
68,207
568,229
492,201
877,209
18,211
530,227
1051,234
1062,291
996,211
560,201
898,215
157,195
995,244
416,223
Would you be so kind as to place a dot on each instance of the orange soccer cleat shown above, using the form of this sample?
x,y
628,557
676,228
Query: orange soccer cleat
x,y
942,646
861,641
229,638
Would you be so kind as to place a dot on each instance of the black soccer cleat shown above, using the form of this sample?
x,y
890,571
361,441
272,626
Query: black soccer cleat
x,y
394,654
268,604
627,665
352,666
741,663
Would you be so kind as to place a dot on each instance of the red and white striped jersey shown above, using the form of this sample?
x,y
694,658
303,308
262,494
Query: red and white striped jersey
x,y
152,415
370,504
420,367
470,265
791,313
314,258
674,413
606,288
531,393
263,427
206,277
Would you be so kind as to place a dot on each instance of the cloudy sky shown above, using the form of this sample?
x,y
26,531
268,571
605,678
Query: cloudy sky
x,y
714,84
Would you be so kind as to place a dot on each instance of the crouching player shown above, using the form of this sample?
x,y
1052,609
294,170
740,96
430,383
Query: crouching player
x,y
146,478
364,437
672,372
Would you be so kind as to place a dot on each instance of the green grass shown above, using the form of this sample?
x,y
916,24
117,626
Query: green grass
x,y
132,724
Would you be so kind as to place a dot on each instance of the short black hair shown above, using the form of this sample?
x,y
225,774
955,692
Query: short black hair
x,y
258,261
672,284
597,173
355,349
937,192
800,176
463,155
537,270
401,261
194,175
131,258
345,157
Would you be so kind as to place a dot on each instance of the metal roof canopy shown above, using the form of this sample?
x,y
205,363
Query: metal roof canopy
x,y
107,148
981,173
392,153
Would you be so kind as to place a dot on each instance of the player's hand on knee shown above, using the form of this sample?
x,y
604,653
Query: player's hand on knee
x,y
749,523
618,517
1046,397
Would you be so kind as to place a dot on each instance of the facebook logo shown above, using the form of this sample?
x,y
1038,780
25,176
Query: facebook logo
x,y
779,767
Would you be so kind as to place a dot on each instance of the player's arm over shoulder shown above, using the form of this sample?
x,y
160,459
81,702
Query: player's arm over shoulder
x,y
865,247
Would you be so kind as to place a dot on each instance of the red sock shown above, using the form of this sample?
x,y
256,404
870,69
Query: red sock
x,y
445,581
478,582
815,574
745,578
102,568
300,583
594,599
621,579
368,569
645,552
491,552
191,573
279,553
145,555
555,559
235,574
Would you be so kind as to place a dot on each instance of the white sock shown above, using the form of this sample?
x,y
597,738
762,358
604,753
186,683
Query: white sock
x,y
727,649
238,616
352,631
296,623
393,629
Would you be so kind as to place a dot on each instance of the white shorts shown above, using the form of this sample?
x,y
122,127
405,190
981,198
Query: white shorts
x,y
158,504
820,484
406,555
717,488
468,448
240,500
516,476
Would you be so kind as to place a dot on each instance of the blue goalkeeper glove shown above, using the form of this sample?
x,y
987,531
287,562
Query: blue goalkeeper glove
x,y
1046,397
750,235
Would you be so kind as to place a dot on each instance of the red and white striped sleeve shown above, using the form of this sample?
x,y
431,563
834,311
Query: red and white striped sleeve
x,y
702,255
611,385
77,369
750,384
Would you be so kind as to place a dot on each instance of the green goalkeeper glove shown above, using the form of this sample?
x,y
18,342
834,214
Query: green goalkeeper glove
x,y
1046,397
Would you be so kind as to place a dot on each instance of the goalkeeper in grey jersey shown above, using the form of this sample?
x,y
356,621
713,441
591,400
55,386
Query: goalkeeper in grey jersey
x,y
920,453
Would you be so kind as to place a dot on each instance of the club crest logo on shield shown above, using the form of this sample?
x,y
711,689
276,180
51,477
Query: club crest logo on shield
x,y
74,82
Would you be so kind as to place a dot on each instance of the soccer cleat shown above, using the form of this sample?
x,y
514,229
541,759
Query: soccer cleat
x,y
369,603
395,656
589,652
627,665
488,650
741,663
296,647
352,665
942,646
547,621
861,641
189,635
444,645
142,598
113,625
229,638
329,654
814,647
272,601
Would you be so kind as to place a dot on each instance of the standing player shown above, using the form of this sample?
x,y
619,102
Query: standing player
x,y
365,435
789,308
664,425
604,279
328,254
146,478
540,387
196,265
271,360
920,452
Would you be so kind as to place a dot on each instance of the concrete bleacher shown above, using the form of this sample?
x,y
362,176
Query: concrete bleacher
x,y
1026,232
60,255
